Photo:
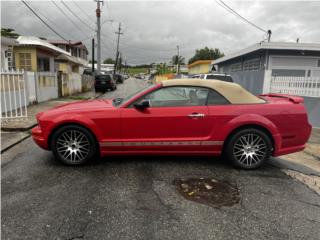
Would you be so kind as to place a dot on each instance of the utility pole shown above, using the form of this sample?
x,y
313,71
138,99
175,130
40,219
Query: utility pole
x,y
117,53
269,35
178,62
92,57
98,13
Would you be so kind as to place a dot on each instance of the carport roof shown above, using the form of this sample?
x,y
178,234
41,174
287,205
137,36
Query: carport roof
x,y
35,41
273,46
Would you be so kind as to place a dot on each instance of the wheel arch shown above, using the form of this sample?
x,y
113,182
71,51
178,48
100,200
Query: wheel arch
x,y
248,126
63,124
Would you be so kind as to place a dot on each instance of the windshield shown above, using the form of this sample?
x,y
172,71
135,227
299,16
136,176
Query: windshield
x,y
120,101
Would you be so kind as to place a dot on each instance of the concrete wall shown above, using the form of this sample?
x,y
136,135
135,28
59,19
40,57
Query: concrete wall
x,y
46,86
312,105
252,81
200,68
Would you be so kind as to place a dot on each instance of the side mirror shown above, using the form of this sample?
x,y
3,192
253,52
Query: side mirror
x,y
142,105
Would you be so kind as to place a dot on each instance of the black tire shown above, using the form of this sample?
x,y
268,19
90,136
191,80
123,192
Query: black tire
x,y
74,152
244,155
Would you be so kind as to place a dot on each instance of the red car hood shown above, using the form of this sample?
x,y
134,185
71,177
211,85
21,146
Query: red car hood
x,y
86,105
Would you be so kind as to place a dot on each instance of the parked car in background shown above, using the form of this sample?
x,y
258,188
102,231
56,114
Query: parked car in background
x,y
217,76
104,82
88,71
118,78
178,117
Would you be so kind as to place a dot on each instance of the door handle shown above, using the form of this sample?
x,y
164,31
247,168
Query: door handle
x,y
196,115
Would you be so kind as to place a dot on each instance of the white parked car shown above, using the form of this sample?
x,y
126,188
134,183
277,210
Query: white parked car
x,y
217,76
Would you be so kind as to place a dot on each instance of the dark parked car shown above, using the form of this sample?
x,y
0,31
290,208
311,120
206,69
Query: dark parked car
x,y
88,71
118,78
103,82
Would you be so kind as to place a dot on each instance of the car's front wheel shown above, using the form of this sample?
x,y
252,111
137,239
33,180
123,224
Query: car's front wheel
x,y
249,148
73,145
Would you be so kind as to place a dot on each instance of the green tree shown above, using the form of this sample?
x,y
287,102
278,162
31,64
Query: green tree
x,y
206,54
109,61
9,32
162,68
175,60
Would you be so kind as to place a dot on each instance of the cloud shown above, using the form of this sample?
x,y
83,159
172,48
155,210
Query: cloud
x,y
153,29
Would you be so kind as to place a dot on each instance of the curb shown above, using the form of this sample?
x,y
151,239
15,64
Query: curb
x,y
16,143
284,164
20,129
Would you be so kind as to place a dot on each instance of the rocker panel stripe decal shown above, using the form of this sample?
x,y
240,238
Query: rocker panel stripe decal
x,y
180,143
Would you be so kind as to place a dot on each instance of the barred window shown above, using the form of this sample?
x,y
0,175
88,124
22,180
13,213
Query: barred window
x,y
25,61
236,67
251,65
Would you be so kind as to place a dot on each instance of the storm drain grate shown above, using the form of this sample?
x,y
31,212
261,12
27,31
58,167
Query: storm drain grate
x,y
208,191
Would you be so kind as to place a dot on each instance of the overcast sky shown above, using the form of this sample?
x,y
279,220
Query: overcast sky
x,y
153,29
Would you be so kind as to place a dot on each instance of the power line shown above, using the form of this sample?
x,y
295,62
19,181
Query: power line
x,y
66,15
44,22
84,12
48,20
232,11
77,16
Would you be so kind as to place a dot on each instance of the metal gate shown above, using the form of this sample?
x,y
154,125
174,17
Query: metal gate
x,y
13,95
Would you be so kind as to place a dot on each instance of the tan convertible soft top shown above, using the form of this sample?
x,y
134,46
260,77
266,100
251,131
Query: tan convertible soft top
x,y
231,91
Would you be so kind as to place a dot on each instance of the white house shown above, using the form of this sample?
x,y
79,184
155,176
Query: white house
x,y
7,44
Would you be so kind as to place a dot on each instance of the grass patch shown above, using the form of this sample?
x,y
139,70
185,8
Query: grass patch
x,y
133,71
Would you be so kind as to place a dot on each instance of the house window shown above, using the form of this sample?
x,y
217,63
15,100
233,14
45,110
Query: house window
x,y
25,61
288,73
236,67
251,65
43,64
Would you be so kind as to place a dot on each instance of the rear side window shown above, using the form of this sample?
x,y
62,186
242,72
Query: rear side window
x,y
103,77
215,98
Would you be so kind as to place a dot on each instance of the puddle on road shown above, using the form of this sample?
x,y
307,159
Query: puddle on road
x,y
208,191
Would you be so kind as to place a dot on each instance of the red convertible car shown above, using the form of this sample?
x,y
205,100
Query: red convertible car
x,y
178,117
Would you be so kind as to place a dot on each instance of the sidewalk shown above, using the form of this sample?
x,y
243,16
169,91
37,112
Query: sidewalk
x,y
16,130
25,124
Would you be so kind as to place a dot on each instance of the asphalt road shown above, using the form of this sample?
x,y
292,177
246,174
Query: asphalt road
x,y
134,198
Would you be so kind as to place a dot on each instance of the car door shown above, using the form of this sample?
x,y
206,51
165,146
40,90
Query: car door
x,y
177,117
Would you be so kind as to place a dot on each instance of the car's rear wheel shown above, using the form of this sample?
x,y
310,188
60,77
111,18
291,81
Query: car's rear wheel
x,y
249,148
73,145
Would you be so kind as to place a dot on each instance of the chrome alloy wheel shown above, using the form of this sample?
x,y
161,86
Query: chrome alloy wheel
x,y
249,149
73,145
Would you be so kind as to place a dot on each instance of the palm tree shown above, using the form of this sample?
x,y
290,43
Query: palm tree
x,y
177,59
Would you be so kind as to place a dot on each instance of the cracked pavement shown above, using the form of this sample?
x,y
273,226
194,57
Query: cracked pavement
x,y
135,198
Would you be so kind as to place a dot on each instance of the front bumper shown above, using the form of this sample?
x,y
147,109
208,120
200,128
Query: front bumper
x,y
39,138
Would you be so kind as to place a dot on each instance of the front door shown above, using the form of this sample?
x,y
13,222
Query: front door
x,y
177,117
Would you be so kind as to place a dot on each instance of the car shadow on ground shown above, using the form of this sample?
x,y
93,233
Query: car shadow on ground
x,y
213,163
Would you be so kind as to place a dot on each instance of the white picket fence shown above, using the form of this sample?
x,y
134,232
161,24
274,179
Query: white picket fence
x,y
301,86
14,98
